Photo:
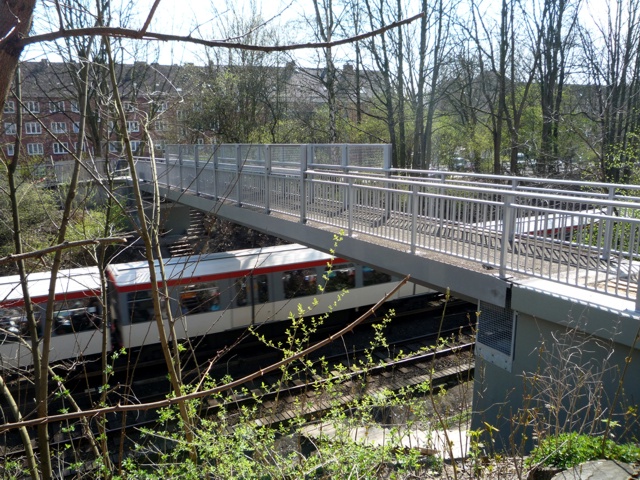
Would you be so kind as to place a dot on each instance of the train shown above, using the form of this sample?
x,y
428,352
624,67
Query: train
x,y
561,225
207,294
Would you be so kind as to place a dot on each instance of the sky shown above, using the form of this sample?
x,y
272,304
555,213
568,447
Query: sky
x,y
195,17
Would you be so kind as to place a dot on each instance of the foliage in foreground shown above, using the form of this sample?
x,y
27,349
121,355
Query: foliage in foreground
x,y
570,449
234,445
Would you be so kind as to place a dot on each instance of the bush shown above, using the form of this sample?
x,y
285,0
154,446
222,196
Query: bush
x,y
570,449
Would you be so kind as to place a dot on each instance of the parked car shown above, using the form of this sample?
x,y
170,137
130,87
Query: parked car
x,y
460,164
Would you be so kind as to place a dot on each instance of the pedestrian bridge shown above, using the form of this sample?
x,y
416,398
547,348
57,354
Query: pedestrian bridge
x,y
473,234
540,256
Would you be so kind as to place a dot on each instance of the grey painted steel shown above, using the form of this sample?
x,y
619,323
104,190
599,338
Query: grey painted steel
x,y
563,342
510,224
462,282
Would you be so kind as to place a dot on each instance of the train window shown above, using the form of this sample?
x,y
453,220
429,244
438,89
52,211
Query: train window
x,y
261,285
340,278
298,283
13,324
373,277
198,298
76,315
140,306
240,292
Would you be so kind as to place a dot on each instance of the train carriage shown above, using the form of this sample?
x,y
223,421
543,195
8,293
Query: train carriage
x,y
77,316
207,294
225,291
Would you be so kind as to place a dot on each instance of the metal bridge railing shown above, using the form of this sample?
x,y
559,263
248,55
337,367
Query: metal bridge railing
x,y
580,234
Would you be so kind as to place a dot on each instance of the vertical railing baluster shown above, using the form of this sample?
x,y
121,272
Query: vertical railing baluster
x,y
351,202
180,172
267,179
238,174
608,230
507,233
414,217
214,172
196,157
304,152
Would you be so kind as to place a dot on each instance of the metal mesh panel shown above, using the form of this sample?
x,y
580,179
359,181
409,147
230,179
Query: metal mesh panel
x,y
327,155
494,339
370,156
285,156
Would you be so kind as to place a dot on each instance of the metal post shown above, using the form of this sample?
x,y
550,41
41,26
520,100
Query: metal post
x,y
216,149
414,217
238,174
305,152
267,179
180,167
608,230
351,202
507,233
386,157
196,155
344,161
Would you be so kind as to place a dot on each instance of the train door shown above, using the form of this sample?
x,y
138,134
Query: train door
x,y
252,291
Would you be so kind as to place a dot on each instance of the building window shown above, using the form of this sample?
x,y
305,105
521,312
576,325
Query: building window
x,y
10,149
35,149
162,107
10,106
75,126
160,126
74,107
9,128
33,128
133,126
60,148
135,145
58,127
31,106
129,107
181,115
55,107
115,146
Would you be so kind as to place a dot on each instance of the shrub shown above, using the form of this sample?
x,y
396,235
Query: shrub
x,y
569,449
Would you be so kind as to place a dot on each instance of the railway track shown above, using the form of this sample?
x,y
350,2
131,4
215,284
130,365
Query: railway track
x,y
386,368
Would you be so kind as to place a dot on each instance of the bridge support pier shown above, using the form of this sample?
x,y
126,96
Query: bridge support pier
x,y
566,371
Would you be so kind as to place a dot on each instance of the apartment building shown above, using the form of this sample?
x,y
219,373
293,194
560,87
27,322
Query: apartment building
x,y
162,104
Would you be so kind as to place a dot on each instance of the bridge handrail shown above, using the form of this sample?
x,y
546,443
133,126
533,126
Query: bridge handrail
x,y
597,221
576,196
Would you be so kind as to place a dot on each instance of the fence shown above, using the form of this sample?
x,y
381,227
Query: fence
x,y
574,233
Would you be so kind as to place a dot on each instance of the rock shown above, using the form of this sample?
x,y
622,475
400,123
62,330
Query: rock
x,y
598,470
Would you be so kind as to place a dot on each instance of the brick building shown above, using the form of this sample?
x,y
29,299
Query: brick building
x,y
165,101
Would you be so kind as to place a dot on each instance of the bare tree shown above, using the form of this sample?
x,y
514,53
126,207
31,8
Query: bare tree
x,y
613,94
557,26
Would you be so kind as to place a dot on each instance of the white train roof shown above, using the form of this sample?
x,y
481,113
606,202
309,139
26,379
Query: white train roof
x,y
70,284
205,268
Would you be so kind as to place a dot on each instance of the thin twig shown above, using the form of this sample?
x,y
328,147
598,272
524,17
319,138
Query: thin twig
x,y
61,246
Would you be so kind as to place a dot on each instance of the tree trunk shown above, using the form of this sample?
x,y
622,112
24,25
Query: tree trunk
x,y
15,23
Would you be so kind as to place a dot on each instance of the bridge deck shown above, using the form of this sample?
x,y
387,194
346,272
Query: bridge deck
x,y
504,228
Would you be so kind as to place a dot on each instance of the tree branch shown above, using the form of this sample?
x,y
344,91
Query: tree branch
x,y
149,17
120,32
222,388
61,246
